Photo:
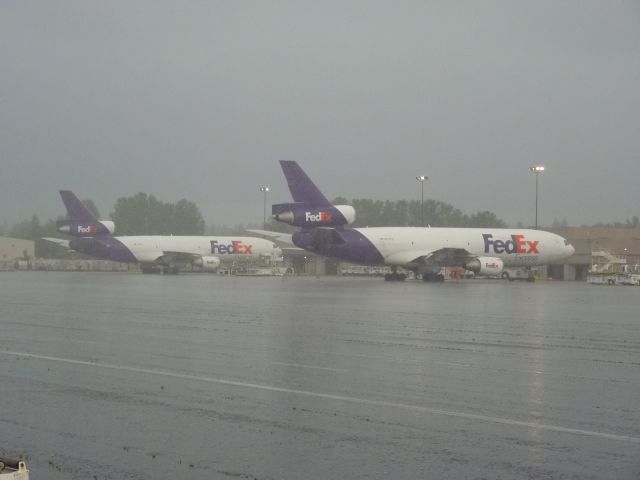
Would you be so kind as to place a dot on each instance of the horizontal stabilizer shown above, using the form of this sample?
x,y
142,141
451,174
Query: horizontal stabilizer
x,y
58,241
277,236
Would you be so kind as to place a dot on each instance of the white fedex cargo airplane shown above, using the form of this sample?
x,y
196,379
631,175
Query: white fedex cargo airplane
x,y
95,238
484,251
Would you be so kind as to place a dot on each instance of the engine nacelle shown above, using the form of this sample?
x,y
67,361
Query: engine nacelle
x,y
109,225
348,212
485,266
207,264
303,215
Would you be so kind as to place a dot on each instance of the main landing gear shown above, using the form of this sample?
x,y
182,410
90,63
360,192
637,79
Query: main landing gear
x,y
161,269
427,275
394,276
431,273
433,277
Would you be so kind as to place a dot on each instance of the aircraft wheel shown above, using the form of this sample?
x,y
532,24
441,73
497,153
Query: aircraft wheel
x,y
506,276
439,278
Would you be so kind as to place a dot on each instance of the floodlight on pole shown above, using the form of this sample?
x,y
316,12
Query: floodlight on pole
x,y
264,190
537,170
422,179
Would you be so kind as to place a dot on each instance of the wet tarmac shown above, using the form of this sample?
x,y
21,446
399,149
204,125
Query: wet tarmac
x,y
125,376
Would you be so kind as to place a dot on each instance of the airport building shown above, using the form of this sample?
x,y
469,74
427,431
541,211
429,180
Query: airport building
x,y
15,248
620,242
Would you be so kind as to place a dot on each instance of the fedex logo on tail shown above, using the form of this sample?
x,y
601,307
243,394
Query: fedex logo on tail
x,y
517,244
235,247
317,217
87,229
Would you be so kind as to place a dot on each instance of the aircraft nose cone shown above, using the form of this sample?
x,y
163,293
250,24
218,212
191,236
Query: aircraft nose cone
x,y
571,249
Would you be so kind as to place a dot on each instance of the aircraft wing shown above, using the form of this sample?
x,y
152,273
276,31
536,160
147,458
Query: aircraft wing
x,y
444,257
449,257
172,258
58,241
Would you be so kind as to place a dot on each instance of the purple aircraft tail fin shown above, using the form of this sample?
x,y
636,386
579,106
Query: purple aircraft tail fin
x,y
303,190
310,208
80,222
77,210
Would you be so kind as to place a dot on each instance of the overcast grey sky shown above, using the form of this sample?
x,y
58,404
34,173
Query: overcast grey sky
x,y
201,99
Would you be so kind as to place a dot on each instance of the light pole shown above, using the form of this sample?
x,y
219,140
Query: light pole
x,y
537,169
264,190
422,179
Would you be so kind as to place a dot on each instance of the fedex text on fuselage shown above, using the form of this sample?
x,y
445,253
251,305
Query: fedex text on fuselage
x,y
236,247
517,244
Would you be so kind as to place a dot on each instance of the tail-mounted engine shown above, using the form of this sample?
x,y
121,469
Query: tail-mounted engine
x,y
103,227
303,215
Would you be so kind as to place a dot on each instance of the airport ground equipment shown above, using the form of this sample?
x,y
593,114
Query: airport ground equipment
x,y
11,469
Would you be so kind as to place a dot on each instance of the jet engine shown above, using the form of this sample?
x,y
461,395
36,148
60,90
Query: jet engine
x,y
303,215
207,264
104,227
109,225
485,266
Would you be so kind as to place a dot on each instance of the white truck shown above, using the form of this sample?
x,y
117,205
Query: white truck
x,y
13,469
520,273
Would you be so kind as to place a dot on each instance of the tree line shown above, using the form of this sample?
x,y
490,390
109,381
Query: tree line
x,y
143,214
413,213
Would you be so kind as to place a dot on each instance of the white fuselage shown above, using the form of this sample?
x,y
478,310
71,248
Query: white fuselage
x,y
515,247
148,248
